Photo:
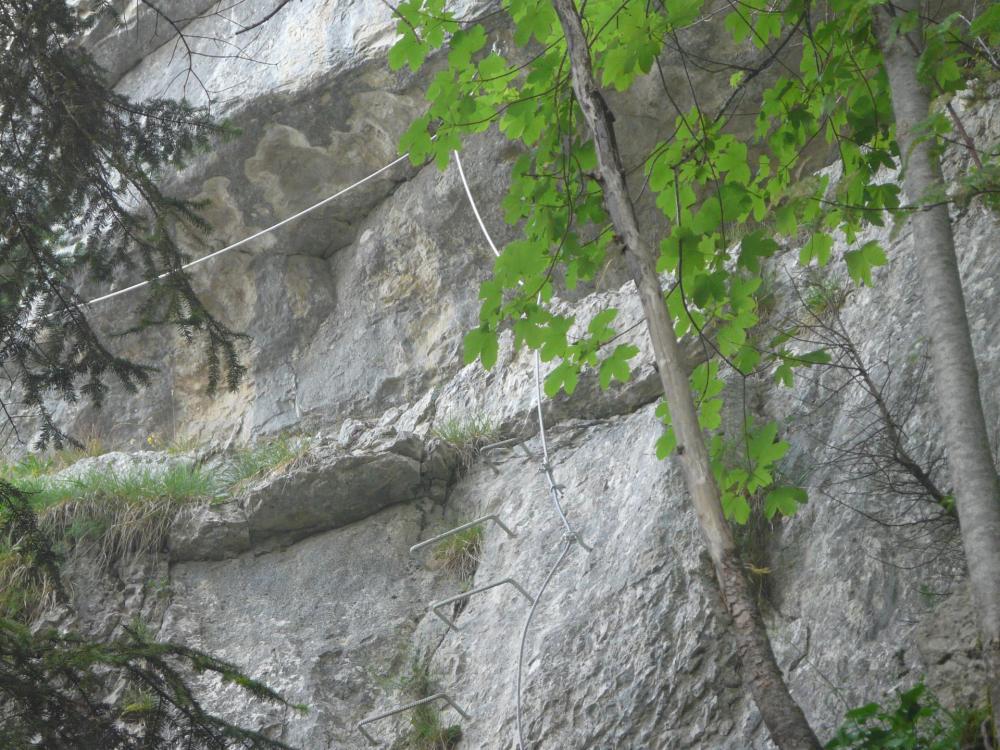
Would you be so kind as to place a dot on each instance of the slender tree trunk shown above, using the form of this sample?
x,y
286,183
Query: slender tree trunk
x,y
956,380
782,715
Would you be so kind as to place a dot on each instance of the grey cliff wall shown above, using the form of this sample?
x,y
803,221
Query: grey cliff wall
x,y
357,315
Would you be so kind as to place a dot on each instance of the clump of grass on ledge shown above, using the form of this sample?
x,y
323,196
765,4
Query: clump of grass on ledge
x,y
461,552
468,434
476,430
36,465
257,461
118,515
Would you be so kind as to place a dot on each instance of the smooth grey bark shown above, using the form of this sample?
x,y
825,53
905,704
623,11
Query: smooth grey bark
x,y
953,363
782,715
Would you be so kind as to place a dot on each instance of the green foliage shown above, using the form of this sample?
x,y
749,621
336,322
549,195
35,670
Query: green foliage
x,y
472,431
745,473
427,731
138,705
710,185
253,462
468,434
460,552
979,182
79,202
51,683
917,722
118,515
824,295
860,262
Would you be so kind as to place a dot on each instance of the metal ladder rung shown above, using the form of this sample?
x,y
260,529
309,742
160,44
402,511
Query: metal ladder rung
x,y
436,605
491,517
430,699
501,444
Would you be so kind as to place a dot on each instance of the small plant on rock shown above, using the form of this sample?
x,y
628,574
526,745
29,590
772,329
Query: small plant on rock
x,y
469,435
253,462
918,722
427,731
824,296
461,552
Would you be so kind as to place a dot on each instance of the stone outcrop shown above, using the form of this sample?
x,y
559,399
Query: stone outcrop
x,y
328,488
357,315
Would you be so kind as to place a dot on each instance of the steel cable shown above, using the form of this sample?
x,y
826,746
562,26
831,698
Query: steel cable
x,y
252,237
570,536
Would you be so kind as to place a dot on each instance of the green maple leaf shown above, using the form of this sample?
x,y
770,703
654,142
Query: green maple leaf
x,y
784,500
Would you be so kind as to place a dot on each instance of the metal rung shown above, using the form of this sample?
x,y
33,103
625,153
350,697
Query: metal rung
x,y
407,707
436,605
491,517
502,444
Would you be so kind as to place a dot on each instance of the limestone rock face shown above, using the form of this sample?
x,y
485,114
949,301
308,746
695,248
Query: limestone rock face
x,y
356,315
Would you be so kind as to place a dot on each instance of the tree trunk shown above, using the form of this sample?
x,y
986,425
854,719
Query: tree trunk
x,y
784,718
956,380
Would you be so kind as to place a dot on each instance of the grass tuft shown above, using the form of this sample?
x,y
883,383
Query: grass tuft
x,y
823,296
257,461
427,731
461,552
34,465
118,515
177,446
469,435
477,430
25,590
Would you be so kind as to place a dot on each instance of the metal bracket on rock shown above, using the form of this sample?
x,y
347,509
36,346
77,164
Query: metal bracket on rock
x,y
458,597
458,529
430,699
